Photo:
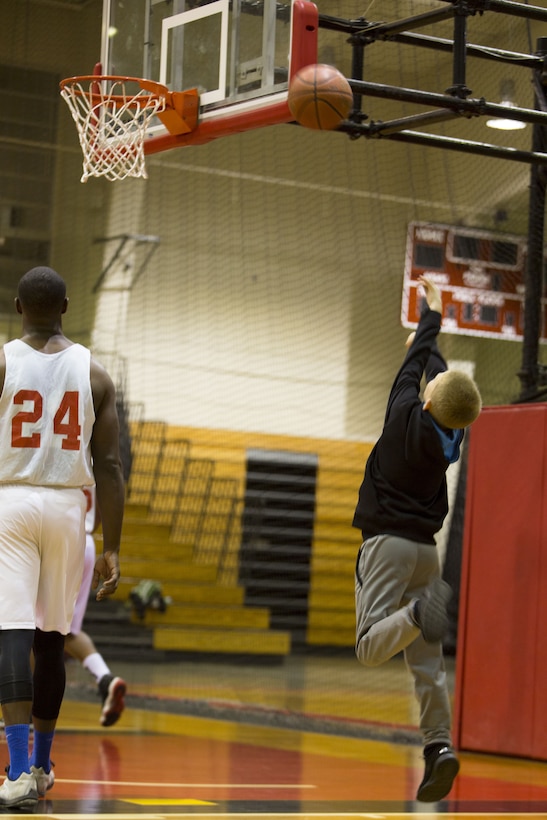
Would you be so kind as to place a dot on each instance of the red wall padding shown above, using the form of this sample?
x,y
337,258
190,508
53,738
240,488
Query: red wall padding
x,y
501,668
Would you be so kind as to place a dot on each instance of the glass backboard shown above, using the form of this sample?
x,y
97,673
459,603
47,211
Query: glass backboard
x,y
239,54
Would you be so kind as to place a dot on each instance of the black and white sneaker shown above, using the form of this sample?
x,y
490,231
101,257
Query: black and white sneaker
x,y
441,767
112,691
429,611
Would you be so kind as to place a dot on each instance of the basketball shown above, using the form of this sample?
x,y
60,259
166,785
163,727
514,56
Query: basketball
x,y
320,97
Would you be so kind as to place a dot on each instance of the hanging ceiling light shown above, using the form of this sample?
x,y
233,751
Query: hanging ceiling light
x,y
507,99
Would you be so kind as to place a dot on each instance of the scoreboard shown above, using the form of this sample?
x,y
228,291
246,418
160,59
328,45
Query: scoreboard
x,y
480,275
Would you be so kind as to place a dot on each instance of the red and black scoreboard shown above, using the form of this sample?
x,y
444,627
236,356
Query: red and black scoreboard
x,y
480,275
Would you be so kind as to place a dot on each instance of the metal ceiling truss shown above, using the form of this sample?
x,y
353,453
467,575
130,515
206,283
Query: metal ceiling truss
x,y
455,102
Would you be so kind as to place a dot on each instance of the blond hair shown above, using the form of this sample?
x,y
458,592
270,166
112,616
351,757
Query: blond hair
x,y
456,401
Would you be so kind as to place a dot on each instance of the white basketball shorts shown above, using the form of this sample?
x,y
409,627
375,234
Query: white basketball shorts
x,y
85,587
42,540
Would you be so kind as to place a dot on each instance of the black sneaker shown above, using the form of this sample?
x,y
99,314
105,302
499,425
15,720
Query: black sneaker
x,y
429,611
441,767
112,691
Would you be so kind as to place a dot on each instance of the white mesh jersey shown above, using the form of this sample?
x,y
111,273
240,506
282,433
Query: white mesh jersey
x,y
46,417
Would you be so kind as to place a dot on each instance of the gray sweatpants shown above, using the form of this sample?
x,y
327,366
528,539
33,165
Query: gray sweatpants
x,y
390,573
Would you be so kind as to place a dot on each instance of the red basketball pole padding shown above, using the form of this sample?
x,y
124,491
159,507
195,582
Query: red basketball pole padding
x,y
501,662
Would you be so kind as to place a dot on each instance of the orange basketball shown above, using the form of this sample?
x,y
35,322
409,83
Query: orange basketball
x,y
320,97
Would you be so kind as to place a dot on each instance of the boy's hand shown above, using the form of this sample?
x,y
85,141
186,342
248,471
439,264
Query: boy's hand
x,y
410,339
432,294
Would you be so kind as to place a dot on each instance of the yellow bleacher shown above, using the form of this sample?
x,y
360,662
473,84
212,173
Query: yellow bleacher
x,y
183,528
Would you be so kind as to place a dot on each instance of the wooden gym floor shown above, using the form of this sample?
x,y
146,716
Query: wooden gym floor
x,y
312,737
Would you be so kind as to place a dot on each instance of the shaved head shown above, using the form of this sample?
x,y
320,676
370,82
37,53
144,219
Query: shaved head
x,y
42,291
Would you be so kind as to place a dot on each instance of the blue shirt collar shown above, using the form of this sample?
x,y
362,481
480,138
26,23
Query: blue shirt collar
x,y
450,440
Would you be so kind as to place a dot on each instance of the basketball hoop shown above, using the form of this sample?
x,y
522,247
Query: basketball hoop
x,y
112,115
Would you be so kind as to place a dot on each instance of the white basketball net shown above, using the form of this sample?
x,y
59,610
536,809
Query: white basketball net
x,y
112,122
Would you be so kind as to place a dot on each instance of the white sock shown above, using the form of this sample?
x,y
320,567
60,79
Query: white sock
x,y
96,666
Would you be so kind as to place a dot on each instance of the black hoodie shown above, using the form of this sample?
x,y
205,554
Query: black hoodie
x,y
404,487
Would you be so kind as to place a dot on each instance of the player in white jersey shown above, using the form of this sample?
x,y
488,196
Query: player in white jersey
x,y
57,418
78,644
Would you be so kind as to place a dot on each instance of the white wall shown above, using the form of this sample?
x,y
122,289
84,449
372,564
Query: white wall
x,y
273,300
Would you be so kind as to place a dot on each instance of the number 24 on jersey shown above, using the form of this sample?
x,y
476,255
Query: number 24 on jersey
x,y
65,421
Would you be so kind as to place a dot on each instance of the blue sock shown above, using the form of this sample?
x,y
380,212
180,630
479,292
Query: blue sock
x,y
17,740
41,750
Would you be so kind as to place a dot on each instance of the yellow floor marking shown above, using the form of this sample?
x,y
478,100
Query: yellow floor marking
x,y
430,815
168,801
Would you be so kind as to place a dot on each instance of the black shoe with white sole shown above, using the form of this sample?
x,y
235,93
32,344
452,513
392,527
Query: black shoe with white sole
x,y
441,767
